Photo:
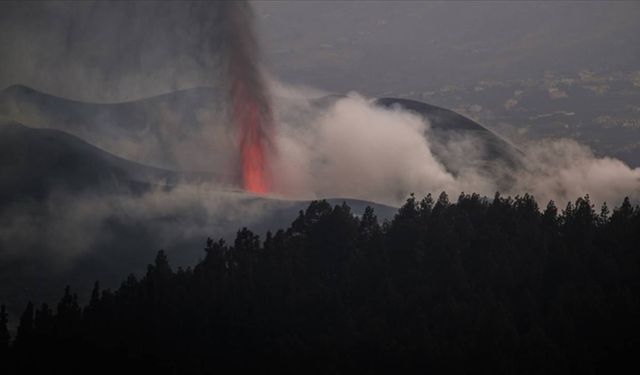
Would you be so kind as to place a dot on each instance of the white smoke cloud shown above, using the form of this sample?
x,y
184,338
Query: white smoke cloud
x,y
562,170
355,149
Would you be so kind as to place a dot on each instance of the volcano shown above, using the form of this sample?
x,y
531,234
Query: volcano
x,y
159,131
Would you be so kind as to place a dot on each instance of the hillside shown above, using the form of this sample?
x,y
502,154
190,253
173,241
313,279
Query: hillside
x,y
160,131
37,162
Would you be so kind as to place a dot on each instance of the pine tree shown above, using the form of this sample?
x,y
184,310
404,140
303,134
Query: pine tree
x,y
605,213
68,316
25,329
90,314
43,324
5,337
550,215
161,267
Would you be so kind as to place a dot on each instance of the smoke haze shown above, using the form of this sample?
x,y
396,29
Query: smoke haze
x,y
111,51
353,148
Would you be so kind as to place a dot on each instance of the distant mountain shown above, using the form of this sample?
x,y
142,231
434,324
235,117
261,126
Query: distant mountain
x,y
160,131
35,162
135,117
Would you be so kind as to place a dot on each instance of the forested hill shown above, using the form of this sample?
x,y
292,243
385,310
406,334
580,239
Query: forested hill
x,y
475,286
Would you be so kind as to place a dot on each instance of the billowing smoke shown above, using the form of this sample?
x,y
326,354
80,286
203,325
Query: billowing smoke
x,y
355,149
251,106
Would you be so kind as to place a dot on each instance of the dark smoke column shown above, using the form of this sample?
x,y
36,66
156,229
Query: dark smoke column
x,y
250,102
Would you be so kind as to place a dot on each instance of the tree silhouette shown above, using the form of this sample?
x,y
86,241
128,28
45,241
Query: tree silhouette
x,y
472,286
5,337
24,336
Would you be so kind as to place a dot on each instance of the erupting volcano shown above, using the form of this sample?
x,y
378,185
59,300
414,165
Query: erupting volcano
x,y
251,107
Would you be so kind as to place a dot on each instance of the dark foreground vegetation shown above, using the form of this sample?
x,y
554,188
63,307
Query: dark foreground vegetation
x,y
476,286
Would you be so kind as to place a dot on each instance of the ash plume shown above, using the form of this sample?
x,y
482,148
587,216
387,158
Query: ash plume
x,y
251,108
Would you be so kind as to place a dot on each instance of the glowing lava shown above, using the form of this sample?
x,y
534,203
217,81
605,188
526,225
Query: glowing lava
x,y
252,121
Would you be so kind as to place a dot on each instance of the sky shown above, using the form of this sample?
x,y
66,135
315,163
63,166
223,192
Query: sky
x,y
370,47
375,47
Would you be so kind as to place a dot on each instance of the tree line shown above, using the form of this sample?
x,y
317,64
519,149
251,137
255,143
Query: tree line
x,y
471,286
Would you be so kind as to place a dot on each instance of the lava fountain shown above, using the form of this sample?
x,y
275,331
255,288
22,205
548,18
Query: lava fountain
x,y
252,123
251,108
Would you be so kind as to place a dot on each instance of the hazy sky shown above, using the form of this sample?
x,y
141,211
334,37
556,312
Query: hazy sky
x,y
380,46
109,51
119,51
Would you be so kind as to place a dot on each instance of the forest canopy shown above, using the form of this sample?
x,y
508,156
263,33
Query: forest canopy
x,y
471,286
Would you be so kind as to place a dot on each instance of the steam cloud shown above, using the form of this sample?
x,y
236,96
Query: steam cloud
x,y
355,149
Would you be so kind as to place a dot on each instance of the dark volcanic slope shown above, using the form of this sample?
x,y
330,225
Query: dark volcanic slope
x,y
440,118
448,123
35,162
486,153
149,131
40,109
